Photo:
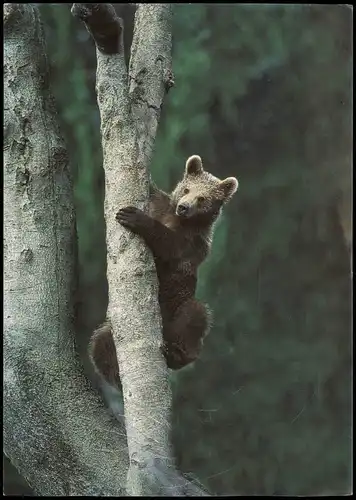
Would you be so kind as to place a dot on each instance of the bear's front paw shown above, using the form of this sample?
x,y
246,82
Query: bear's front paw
x,y
131,217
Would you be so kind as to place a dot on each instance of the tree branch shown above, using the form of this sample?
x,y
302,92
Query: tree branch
x,y
56,431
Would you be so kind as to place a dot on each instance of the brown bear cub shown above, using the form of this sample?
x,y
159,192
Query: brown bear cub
x,y
178,230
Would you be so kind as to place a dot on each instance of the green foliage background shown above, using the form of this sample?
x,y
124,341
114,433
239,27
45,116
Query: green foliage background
x,y
263,92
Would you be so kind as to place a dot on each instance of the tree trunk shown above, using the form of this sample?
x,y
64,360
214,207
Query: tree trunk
x,y
129,125
56,431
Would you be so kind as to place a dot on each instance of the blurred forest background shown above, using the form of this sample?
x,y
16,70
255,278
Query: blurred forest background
x,y
263,93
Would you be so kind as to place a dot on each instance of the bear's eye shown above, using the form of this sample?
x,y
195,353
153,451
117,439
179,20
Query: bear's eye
x,y
200,199
186,191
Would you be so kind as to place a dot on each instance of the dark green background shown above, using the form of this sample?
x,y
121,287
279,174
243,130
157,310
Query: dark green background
x,y
263,93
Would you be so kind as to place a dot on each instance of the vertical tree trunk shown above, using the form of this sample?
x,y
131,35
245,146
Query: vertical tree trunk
x,y
128,139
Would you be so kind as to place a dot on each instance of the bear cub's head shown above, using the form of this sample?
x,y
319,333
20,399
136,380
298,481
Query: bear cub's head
x,y
199,196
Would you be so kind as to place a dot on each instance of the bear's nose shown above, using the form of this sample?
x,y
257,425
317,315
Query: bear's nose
x,y
182,209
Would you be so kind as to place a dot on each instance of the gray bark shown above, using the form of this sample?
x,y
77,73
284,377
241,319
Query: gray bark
x,y
56,431
127,140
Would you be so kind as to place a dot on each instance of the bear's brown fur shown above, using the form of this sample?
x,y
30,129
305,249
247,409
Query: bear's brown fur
x,y
178,230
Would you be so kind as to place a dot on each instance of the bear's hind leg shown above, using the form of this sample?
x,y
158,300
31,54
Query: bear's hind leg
x,y
102,353
183,335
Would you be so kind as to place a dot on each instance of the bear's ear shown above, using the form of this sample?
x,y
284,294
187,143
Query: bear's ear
x,y
194,165
228,187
